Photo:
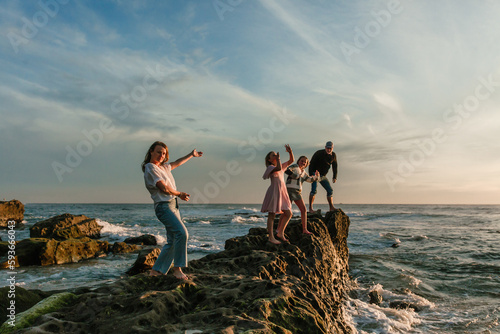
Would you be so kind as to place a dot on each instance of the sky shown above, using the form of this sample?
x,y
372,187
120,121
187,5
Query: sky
x,y
408,91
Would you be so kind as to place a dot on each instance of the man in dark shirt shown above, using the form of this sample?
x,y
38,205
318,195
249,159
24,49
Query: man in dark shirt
x,y
321,162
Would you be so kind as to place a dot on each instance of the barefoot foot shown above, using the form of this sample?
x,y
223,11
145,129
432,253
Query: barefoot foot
x,y
181,276
155,273
274,241
282,237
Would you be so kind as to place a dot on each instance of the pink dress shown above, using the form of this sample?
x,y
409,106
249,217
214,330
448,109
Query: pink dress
x,y
276,199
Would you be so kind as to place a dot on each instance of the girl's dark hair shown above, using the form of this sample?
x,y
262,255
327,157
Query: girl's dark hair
x,y
303,156
151,149
267,158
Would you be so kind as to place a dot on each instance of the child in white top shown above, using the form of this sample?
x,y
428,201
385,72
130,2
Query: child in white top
x,y
296,176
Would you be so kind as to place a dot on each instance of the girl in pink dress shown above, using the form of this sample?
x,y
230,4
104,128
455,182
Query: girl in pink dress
x,y
276,199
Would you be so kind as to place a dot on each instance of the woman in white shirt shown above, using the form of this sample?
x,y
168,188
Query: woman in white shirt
x,y
161,185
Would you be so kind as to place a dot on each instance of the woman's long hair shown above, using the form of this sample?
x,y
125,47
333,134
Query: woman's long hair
x,y
147,159
267,159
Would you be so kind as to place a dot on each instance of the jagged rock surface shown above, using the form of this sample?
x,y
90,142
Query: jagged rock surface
x,y
251,287
66,226
11,210
45,252
145,239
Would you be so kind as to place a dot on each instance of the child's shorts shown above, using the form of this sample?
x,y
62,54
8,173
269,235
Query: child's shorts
x,y
294,194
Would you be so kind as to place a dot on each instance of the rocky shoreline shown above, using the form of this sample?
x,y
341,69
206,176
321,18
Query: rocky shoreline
x,y
58,240
250,287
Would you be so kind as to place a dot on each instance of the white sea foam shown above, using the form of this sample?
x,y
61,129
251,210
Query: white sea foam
x,y
413,281
204,222
160,239
117,232
247,220
355,214
371,318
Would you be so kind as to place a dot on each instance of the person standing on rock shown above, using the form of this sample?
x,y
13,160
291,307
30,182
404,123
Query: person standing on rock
x,y
161,185
296,176
276,200
321,162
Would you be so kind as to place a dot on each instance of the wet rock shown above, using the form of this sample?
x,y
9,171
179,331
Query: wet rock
x,y
403,305
122,247
4,247
11,210
66,226
44,252
49,304
145,239
145,261
375,297
315,214
24,299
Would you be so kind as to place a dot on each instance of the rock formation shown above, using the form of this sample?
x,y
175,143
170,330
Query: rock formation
x,y
11,210
145,239
252,287
66,226
62,239
44,252
145,261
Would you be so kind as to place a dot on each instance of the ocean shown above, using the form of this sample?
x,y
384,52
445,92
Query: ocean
x,y
443,260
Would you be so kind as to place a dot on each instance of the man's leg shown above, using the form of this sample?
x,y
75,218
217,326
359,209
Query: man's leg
x,y
329,192
330,202
314,187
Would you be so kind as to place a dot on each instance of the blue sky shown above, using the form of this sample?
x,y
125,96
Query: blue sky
x,y
409,91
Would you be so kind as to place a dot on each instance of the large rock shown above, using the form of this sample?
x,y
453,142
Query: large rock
x,y
44,252
145,239
11,210
66,226
122,247
145,261
252,286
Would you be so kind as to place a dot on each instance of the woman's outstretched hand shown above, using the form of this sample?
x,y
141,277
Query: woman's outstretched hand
x,y
288,149
184,196
196,154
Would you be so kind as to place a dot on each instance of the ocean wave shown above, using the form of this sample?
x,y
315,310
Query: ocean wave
x,y
384,317
113,231
413,281
247,220
419,237
371,318
355,214
204,222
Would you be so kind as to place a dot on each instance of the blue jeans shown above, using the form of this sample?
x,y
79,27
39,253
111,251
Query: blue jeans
x,y
323,180
175,250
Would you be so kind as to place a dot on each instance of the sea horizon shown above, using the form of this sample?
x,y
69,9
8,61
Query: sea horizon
x,y
247,203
